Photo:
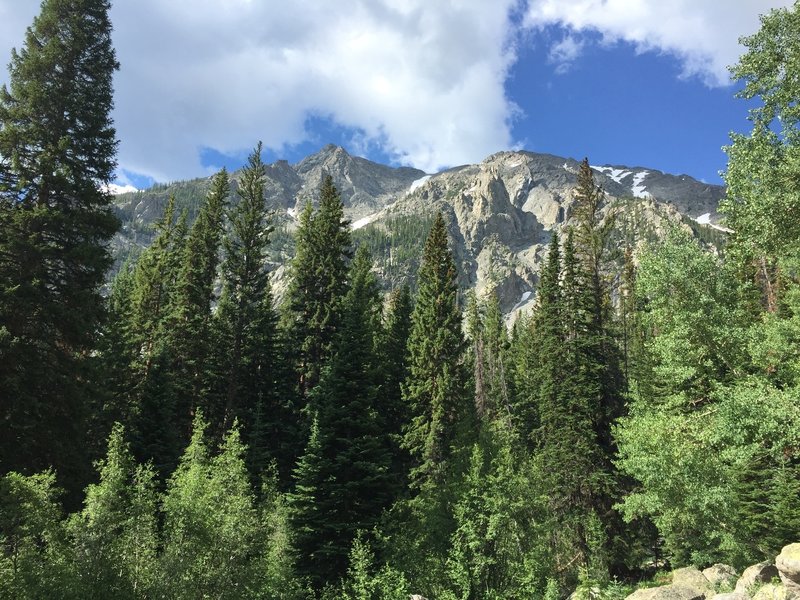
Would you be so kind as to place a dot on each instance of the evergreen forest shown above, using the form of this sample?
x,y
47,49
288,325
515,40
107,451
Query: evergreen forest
x,y
176,432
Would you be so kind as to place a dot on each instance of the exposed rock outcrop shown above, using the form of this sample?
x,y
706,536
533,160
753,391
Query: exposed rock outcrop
x,y
501,212
764,581
788,565
761,573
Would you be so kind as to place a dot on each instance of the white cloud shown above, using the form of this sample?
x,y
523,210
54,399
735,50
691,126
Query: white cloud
x,y
702,34
565,52
422,80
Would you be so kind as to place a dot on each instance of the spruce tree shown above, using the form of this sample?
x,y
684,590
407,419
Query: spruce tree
x,y
251,382
343,480
578,472
189,322
57,151
150,398
539,347
442,418
319,281
394,370
592,237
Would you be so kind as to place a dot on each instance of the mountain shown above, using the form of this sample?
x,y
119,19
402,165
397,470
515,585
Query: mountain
x,y
500,212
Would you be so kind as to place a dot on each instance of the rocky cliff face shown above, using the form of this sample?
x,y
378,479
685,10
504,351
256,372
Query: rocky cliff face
x,y
501,212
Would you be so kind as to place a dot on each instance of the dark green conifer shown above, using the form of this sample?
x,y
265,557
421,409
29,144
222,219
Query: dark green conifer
x,y
319,281
539,347
442,418
251,385
343,480
57,151
394,369
189,322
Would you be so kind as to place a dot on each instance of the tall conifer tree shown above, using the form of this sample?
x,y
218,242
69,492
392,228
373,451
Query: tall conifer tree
x,y
251,386
189,327
435,388
394,368
343,480
319,281
57,150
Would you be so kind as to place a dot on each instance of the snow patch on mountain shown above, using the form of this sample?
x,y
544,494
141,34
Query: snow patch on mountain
x,y
523,301
637,189
292,212
417,183
705,219
364,221
616,174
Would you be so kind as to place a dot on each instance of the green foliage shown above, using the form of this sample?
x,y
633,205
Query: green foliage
x,y
213,535
57,150
189,322
116,535
435,387
364,582
319,281
343,480
393,366
499,548
35,559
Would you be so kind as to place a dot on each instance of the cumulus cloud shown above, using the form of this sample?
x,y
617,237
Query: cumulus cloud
x,y
423,81
702,34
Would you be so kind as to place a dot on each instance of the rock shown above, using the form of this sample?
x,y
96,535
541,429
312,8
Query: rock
x,y
721,576
770,591
693,578
417,597
760,573
788,565
668,592
731,596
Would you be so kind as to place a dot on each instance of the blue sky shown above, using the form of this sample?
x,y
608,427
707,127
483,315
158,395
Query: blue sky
x,y
634,82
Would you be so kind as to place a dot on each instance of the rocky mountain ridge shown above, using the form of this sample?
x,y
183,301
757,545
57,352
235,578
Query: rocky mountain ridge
x,y
501,212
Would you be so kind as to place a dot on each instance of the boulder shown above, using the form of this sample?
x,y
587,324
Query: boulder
x,y
731,596
760,573
668,592
692,578
788,565
721,576
770,591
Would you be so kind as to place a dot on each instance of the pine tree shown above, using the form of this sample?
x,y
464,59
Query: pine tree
x,y
394,369
442,419
57,150
343,480
578,470
491,345
539,351
319,281
189,322
151,400
253,386
592,233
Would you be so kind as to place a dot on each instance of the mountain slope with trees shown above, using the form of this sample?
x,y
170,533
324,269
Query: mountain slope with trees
x,y
331,442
